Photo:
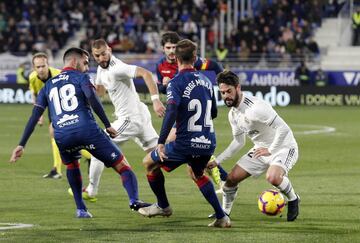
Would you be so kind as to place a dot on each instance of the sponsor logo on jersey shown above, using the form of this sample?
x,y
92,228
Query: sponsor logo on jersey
x,y
200,142
77,148
67,120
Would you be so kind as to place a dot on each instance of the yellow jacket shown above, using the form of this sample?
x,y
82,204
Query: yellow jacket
x,y
36,84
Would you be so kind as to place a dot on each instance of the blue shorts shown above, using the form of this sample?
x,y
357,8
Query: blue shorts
x,y
198,163
93,140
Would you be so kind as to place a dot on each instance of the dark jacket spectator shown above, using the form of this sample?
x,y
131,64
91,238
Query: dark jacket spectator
x,y
302,74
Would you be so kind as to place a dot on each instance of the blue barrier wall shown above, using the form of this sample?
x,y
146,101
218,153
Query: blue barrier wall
x,y
259,77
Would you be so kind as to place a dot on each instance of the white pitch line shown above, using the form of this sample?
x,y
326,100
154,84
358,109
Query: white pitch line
x,y
15,226
313,129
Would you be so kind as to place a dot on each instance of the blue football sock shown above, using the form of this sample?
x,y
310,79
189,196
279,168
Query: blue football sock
x,y
157,184
208,190
75,181
130,184
223,173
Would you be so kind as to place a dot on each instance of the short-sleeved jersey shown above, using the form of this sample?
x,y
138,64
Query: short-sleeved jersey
x,y
192,93
117,79
166,69
36,84
68,105
255,118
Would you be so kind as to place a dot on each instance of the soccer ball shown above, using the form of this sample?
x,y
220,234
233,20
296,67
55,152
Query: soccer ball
x,y
271,202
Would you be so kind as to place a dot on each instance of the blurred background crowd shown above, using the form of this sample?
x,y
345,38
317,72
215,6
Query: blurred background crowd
x,y
275,28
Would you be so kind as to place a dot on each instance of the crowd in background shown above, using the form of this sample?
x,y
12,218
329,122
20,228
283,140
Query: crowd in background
x,y
30,26
278,29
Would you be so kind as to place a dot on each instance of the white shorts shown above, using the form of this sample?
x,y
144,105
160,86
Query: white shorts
x,y
285,158
139,128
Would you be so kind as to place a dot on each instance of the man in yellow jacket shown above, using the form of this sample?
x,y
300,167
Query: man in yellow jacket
x,y
356,26
43,72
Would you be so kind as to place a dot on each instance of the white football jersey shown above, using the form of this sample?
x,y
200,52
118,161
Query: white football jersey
x,y
117,78
259,121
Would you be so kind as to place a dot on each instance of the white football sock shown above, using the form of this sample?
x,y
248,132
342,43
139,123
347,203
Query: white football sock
x,y
229,195
95,171
286,188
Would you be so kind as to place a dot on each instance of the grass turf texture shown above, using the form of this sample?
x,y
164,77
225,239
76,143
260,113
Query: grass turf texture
x,y
326,176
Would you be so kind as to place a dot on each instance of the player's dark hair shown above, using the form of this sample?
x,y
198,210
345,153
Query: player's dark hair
x,y
185,51
171,37
75,51
227,77
39,55
97,44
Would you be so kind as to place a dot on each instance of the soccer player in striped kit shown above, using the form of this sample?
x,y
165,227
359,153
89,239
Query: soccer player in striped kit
x,y
275,149
133,119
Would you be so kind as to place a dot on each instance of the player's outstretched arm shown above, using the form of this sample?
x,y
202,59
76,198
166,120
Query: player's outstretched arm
x,y
16,154
100,90
89,91
159,108
112,132
236,144
168,122
162,81
281,131
29,128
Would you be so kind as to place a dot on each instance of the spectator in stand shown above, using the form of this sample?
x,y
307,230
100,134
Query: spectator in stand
x,y
221,52
129,21
332,8
356,26
302,74
22,74
321,78
313,47
244,52
190,29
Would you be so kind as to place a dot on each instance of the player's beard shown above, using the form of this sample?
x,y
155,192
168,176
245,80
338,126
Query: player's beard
x,y
104,64
171,58
232,102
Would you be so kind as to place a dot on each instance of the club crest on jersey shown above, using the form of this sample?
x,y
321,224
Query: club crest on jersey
x,y
253,132
200,143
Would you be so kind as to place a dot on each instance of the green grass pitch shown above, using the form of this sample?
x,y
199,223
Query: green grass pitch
x,y
326,176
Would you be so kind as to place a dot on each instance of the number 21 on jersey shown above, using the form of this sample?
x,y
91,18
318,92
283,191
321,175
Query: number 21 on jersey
x,y
64,99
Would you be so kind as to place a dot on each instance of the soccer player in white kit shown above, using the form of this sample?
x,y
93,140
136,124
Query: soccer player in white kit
x,y
275,149
133,119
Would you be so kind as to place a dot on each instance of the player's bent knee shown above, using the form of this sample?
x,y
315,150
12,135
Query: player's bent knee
x,y
149,164
73,165
120,164
232,180
147,159
273,179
